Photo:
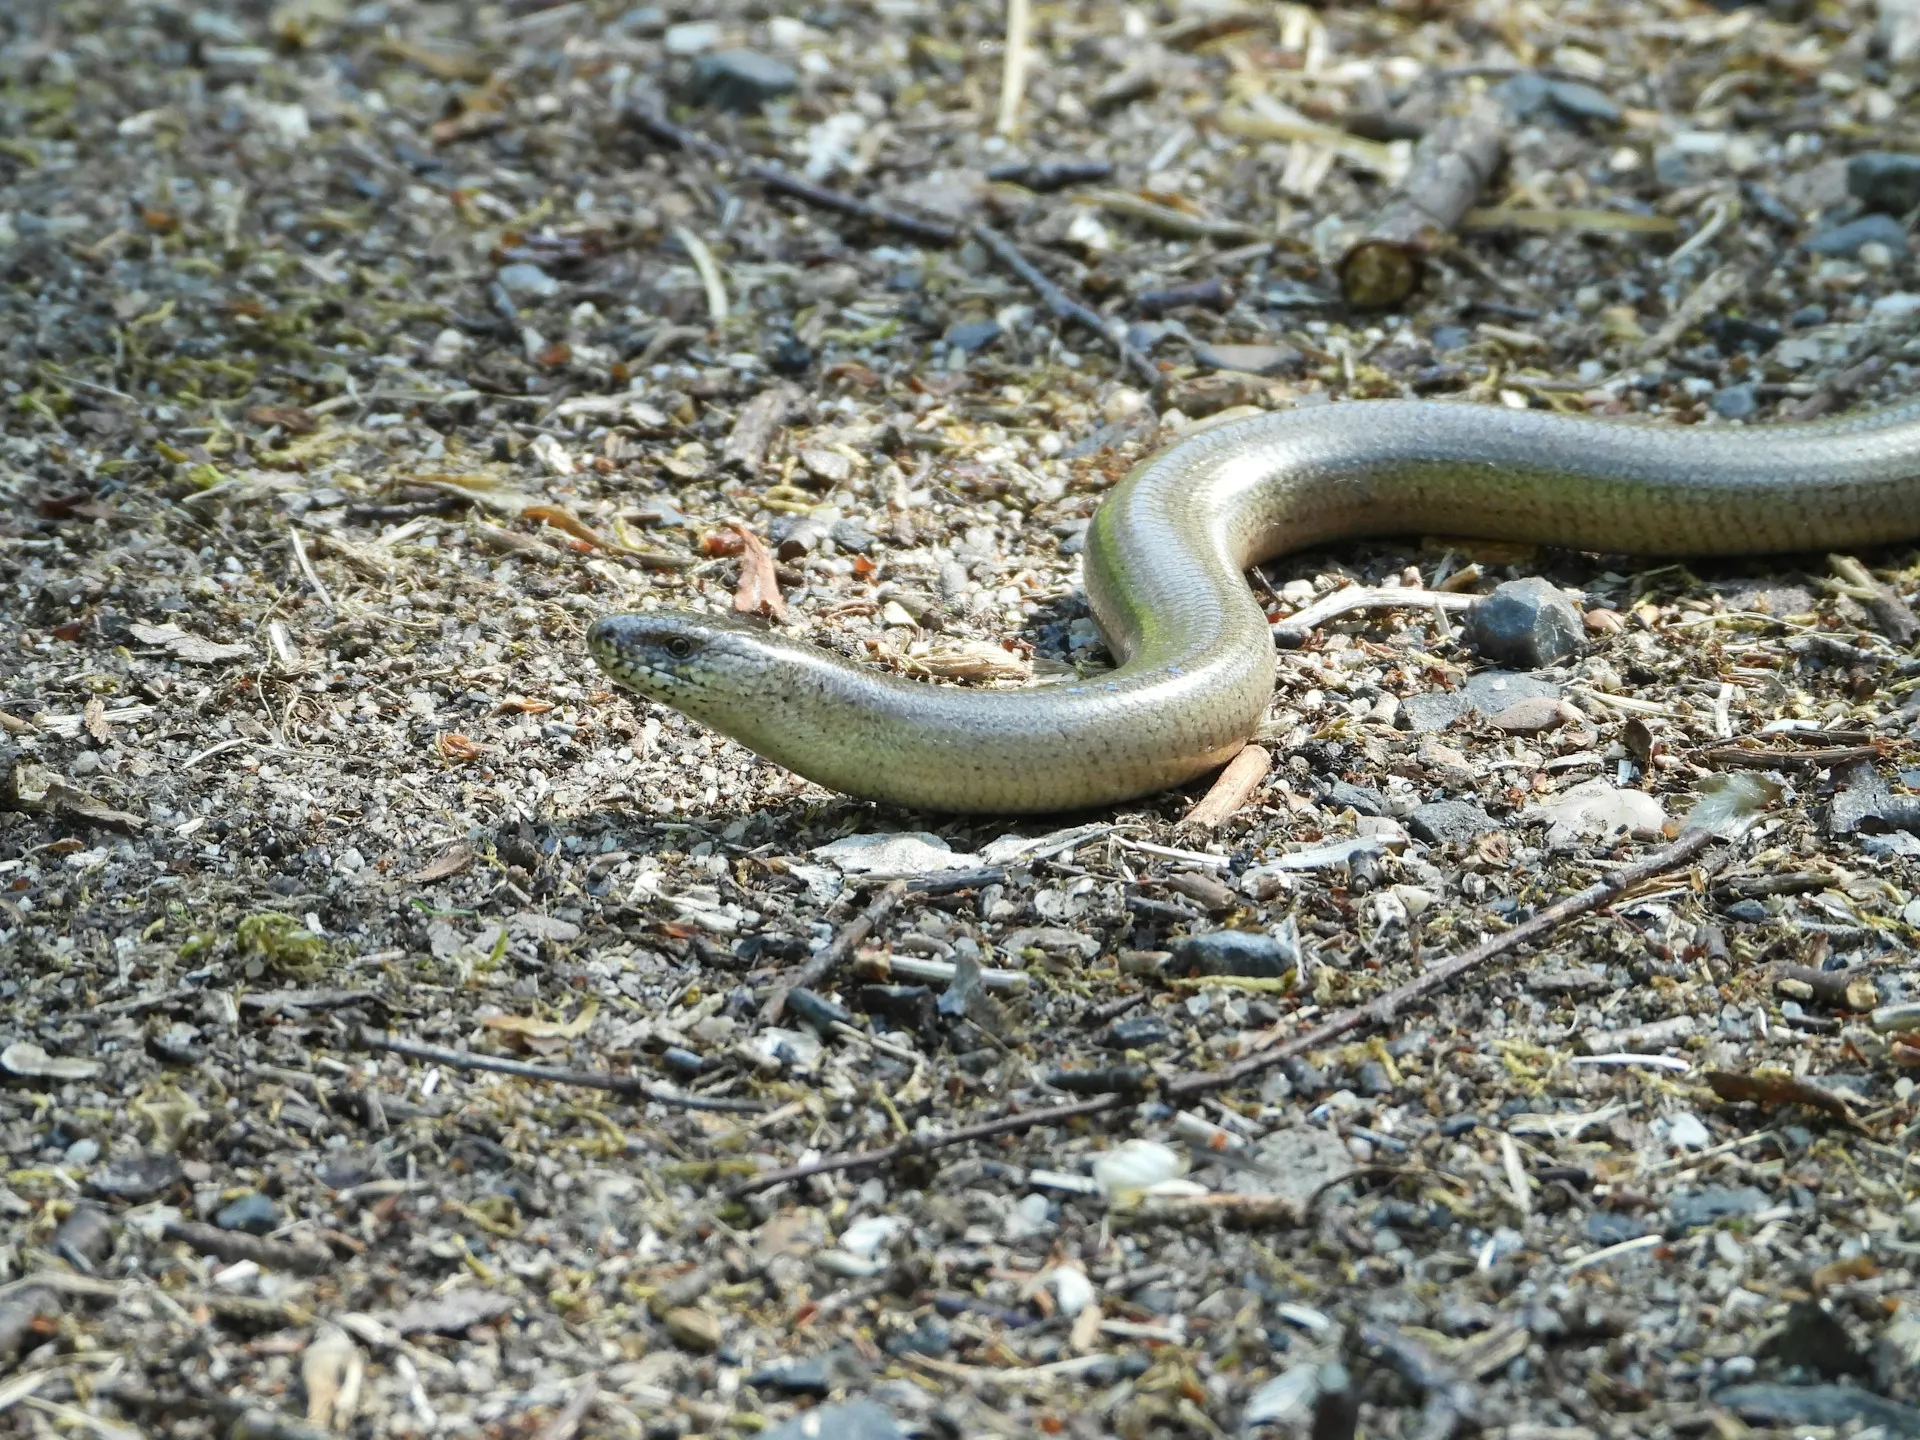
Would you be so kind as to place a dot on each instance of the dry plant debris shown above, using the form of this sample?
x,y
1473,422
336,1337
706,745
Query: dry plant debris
x,y
406,1035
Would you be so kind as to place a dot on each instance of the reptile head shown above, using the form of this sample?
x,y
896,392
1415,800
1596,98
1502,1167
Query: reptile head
x,y
716,668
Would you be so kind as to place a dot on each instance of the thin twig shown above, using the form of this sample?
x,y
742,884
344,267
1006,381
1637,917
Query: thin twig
x,y
306,567
1381,1012
834,954
1368,597
234,1246
1064,307
1003,1125
628,1085
658,127
1013,72
709,271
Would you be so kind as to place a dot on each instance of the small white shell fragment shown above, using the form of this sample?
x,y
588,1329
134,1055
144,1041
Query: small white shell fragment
x,y
1136,1165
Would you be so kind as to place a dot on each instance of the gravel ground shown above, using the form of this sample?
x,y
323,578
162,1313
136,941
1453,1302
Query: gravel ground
x,y
353,357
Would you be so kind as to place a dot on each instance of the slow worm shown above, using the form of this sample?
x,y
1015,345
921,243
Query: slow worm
x,y
1165,559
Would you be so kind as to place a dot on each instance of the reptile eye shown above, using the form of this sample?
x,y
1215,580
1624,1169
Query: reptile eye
x,y
679,647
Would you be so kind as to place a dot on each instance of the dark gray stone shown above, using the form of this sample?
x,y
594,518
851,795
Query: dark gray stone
x,y
252,1213
740,79
933,1336
1736,402
855,1420
1814,1339
1583,102
136,1178
1493,691
1524,95
1434,710
1610,1227
1715,1203
1862,797
1443,822
1529,623
972,335
1252,359
85,1238
1844,241
1232,952
804,1376
1748,912
1363,799
1830,1405
1885,180
1136,1033
852,534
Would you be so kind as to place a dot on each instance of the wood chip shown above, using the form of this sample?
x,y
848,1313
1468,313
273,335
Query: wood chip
x,y
1231,789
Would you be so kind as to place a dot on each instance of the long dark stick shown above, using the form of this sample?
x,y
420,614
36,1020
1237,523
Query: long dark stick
x,y
1382,1011
1360,1017
1064,306
932,232
658,127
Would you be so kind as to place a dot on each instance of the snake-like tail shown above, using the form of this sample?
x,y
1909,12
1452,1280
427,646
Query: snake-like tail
x,y
1165,557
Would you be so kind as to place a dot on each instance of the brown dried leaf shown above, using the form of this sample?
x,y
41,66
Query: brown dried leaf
x,y
293,419
543,1035
1778,1087
94,717
447,862
759,590
563,519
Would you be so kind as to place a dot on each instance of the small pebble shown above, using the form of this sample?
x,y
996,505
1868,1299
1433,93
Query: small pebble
x,y
527,282
137,1178
1232,952
1885,180
252,1213
1135,1033
1443,821
1736,402
1845,241
1252,359
85,1238
1528,623
855,1420
740,80
968,336
693,1329
790,355
1583,102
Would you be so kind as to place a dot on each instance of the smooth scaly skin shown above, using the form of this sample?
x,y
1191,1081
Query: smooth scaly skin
x,y
1164,560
